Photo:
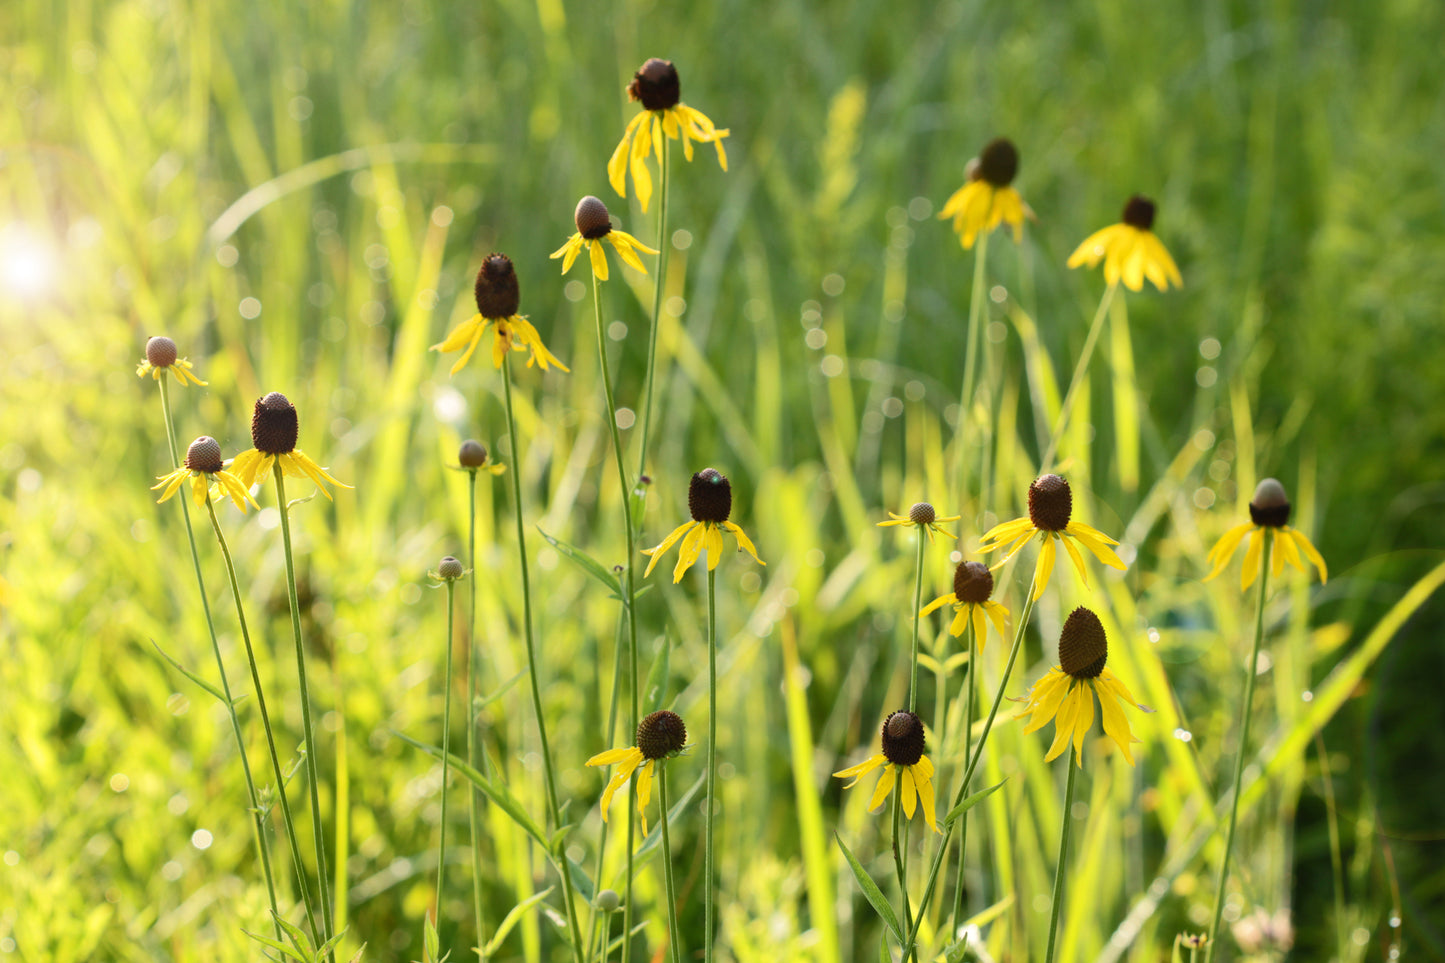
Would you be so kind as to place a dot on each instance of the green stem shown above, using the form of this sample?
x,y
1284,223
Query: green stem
x,y
970,366
1080,369
674,934
910,948
286,818
938,854
963,786
627,593
709,816
257,817
446,754
553,810
607,741
663,245
313,776
1063,854
474,796
1250,671
917,604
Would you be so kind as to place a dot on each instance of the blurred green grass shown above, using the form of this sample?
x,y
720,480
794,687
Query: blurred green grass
x,y
378,150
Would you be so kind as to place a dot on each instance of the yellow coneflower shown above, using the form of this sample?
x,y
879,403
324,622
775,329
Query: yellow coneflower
x,y
274,429
205,470
1269,509
1130,251
660,735
972,586
657,88
925,517
594,225
988,199
1051,504
903,759
473,456
498,297
709,501
162,358
1066,694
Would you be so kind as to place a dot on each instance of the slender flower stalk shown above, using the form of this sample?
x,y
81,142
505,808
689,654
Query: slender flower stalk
x,y
1080,369
710,812
970,367
967,695
674,933
911,949
257,814
1063,856
448,571
663,246
553,810
937,865
313,772
1250,671
917,604
288,821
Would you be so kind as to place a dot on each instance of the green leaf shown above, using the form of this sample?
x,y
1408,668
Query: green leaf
x,y
656,686
280,947
296,934
872,892
616,943
219,696
484,701
586,889
883,955
585,562
497,793
513,917
969,803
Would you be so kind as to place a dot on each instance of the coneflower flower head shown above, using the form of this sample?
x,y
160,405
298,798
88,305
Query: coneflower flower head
x,y
988,198
1051,503
661,735
472,454
903,738
161,356
1066,694
925,516
1268,509
450,568
998,162
922,513
709,502
1130,251
274,425
1139,213
656,85
497,291
972,586
902,759
1050,517
205,470
594,226
710,497
664,117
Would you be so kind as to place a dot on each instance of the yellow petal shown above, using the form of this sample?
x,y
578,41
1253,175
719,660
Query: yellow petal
x,y
1044,701
171,483
713,544
1116,724
622,243
198,489
960,621
644,792
862,769
1063,726
980,626
1310,551
1045,566
925,795
745,543
1096,542
460,335
609,756
668,542
617,164
1094,247
1085,720
909,792
1078,562
881,791
999,616
937,603
599,260
689,551
1223,549
1252,557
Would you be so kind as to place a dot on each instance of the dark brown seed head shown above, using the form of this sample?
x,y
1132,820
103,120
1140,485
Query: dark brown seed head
x,y
450,568
273,425
661,734
472,454
972,582
1139,212
1083,649
656,85
998,162
902,738
592,219
922,513
497,293
204,455
1270,505
161,352
1051,503
710,497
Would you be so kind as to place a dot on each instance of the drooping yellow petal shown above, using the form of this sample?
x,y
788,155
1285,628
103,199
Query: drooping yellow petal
x,y
687,554
661,549
1085,720
250,465
171,483
1078,561
909,792
609,756
1005,532
529,337
232,487
1159,265
637,164
1094,247
745,543
960,620
198,489
1134,262
1045,565
862,769
980,626
297,459
1286,550
884,787
644,793
1224,549
713,545
460,335
1252,557
925,794
1311,553
1097,542
922,768
569,251
999,616
938,603
1045,698
1064,725
1116,724
599,260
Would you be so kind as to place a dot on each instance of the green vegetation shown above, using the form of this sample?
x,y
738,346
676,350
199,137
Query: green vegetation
x,y
300,195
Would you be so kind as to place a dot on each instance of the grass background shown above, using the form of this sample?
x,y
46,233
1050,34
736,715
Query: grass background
x,y
299,194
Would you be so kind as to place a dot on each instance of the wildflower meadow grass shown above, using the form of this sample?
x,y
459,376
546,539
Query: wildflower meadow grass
x,y
965,487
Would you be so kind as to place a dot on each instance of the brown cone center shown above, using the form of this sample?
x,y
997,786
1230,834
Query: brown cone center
x,y
661,734
1083,647
1051,503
